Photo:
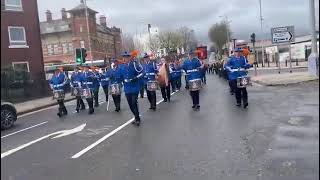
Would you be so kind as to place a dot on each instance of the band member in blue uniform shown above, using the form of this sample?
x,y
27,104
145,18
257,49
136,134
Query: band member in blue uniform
x,y
58,82
104,82
115,77
233,65
178,74
76,83
96,85
192,66
88,79
150,71
132,72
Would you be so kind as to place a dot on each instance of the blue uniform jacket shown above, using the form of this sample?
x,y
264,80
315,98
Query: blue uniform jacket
x,y
104,80
233,64
175,72
114,75
191,67
88,79
96,80
132,74
76,79
150,71
59,81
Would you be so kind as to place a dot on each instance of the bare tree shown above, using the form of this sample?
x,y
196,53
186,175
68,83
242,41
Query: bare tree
x,y
189,40
218,35
170,40
154,44
127,43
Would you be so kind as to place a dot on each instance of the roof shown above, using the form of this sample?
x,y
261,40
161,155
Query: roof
x,y
81,7
55,26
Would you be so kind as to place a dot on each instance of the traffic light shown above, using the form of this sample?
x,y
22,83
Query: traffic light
x,y
81,54
253,37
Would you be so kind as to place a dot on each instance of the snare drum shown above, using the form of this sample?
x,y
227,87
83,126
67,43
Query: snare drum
x,y
58,94
194,85
115,89
76,91
152,85
86,93
243,81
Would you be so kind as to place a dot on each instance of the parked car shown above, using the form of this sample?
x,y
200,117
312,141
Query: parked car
x,y
8,115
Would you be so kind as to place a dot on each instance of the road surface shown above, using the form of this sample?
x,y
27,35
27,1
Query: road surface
x,y
277,137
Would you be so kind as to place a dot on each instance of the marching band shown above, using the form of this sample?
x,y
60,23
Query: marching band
x,y
131,77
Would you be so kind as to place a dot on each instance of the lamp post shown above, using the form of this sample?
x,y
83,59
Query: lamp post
x,y
313,59
262,45
87,21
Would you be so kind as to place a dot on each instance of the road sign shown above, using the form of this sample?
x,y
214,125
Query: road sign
x,y
282,34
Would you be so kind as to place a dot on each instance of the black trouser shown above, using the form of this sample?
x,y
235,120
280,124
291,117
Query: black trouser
x,y
241,93
195,97
106,91
142,92
132,99
80,103
204,79
117,101
90,103
165,91
96,97
151,97
179,83
62,107
173,84
185,78
232,87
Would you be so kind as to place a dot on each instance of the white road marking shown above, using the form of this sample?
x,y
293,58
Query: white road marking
x,y
107,136
24,129
62,133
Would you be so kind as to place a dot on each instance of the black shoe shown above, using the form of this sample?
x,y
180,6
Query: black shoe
x,y
154,108
117,110
96,105
83,108
193,106
231,93
59,114
77,110
238,104
150,107
91,111
65,112
245,105
165,100
197,108
168,100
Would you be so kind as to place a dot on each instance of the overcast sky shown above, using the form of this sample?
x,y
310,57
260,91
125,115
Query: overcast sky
x,y
132,16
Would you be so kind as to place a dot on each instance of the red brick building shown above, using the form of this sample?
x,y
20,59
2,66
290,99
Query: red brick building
x,y
21,42
60,37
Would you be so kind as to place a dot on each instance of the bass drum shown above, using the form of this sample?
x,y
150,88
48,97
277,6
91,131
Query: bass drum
x,y
243,81
152,85
58,94
115,89
86,93
194,85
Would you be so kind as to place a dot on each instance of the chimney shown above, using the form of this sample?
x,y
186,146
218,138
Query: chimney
x,y
49,16
64,15
103,21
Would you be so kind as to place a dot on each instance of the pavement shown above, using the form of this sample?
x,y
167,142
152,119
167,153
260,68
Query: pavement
x,y
36,104
303,64
283,78
276,138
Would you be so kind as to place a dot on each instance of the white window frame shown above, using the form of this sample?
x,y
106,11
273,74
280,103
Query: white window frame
x,y
21,62
82,44
81,28
18,7
49,46
13,41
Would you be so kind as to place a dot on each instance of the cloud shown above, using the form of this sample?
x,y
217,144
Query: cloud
x,y
133,16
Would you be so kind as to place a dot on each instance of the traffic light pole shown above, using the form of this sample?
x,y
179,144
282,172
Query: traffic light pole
x,y
87,21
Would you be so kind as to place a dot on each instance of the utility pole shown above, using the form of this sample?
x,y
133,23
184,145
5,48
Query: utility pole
x,y
262,45
313,59
149,26
87,21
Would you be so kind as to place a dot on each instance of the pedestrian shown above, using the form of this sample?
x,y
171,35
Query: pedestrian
x,y
104,82
193,67
163,78
132,73
96,85
178,74
88,86
150,70
58,84
235,62
115,77
76,83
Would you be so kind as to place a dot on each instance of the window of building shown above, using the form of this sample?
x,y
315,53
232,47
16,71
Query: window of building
x,y
81,29
50,49
17,36
13,5
82,44
56,49
65,48
21,71
70,47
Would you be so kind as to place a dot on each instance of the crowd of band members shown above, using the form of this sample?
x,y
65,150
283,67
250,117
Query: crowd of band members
x,y
133,75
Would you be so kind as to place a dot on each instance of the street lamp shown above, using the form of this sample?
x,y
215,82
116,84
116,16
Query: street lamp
x,y
313,59
262,41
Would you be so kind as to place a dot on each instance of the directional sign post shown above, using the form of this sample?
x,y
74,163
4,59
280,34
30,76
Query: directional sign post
x,y
283,35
